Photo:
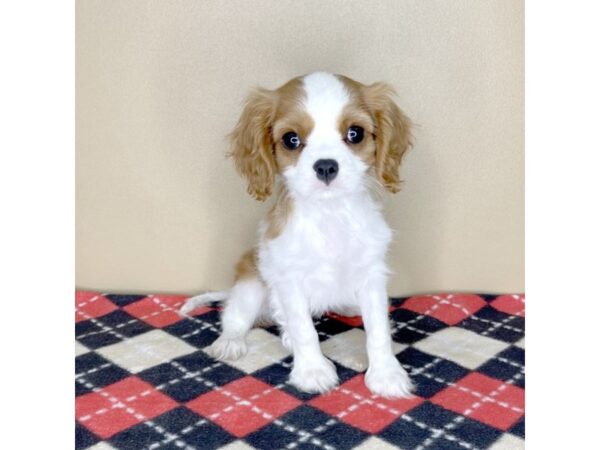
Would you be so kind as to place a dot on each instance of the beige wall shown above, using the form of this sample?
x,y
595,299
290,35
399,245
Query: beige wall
x,y
159,84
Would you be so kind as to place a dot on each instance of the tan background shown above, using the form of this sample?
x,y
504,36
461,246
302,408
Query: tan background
x,y
159,84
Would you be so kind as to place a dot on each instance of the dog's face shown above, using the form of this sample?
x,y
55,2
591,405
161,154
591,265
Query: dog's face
x,y
326,135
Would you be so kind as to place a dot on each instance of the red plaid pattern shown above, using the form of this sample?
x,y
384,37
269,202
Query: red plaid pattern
x,y
120,406
355,405
510,304
450,309
90,305
244,405
353,321
159,311
143,379
486,399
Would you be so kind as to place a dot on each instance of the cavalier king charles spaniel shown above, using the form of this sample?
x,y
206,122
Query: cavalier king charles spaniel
x,y
331,145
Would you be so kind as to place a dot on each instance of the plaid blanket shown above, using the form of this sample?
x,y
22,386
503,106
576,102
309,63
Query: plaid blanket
x,y
143,381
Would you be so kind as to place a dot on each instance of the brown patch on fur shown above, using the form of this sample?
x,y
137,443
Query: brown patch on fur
x,y
256,146
251,143
297,121
279,214
246,266
392,131
354,114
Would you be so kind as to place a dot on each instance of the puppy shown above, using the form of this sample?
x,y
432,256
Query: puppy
x,y
332,142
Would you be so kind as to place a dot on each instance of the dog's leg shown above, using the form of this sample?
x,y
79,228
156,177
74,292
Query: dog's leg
x,y
241,310
385,376
311,372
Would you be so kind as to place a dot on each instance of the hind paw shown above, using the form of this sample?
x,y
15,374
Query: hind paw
x,y
227,349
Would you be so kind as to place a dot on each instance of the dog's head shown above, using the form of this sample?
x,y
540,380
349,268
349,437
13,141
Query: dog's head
x,y
327,135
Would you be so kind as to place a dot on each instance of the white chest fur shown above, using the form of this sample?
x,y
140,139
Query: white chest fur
x,y
328,249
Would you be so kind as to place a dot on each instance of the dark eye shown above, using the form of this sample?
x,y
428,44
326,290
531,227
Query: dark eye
x,y
355,134
291,140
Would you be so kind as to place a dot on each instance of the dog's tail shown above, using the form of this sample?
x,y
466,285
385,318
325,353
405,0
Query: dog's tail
x,y
202,299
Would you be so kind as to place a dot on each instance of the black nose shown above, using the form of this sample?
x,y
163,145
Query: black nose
x,y
327,170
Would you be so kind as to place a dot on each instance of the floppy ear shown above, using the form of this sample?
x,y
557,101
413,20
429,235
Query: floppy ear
x,y
392,134
251,143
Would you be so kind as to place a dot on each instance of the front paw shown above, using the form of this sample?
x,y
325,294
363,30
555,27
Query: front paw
x,y
314,377
390,381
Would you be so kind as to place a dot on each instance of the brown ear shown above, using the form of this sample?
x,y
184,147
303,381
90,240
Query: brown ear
x,y
251,145
392,134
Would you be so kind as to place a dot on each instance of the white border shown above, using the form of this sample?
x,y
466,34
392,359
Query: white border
x,y
562,190
37,226
562,223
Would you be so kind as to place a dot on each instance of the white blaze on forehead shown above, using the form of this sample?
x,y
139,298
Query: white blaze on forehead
x,y
325,98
